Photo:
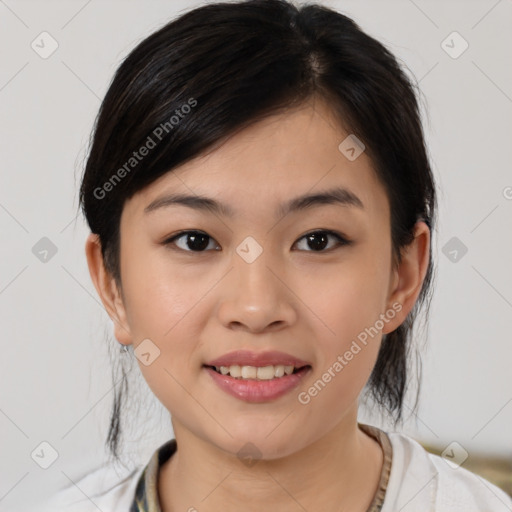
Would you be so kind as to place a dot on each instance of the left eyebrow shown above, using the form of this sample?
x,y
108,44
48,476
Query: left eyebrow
x,y
341,196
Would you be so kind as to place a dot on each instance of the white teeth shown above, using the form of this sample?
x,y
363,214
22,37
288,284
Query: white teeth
x,y
279,371
265,373
249,372
254,372
235,371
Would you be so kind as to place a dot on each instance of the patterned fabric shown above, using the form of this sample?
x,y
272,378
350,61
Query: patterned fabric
x,y
385,443
146,493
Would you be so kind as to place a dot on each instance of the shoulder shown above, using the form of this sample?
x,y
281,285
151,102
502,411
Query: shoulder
x,y
420,481
105,488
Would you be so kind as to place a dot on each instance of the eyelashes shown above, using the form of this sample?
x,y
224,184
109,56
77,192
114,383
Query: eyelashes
x,y
194,241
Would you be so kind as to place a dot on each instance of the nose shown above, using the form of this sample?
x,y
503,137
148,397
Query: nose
x,y
256,296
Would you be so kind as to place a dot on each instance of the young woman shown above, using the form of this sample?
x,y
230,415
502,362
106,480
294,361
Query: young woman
x,y
261,207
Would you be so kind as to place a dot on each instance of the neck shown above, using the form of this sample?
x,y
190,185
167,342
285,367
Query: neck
x,y
339,472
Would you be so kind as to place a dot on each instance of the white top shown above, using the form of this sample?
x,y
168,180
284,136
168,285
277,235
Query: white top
x,y
418,482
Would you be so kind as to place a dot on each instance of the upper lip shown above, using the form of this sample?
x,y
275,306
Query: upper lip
x,y
249,358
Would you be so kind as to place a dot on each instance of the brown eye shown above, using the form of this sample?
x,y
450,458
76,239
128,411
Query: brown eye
x,y
319,240
190,241
198,241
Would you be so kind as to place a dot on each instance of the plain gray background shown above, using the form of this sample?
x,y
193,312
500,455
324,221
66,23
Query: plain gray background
x,y
54,368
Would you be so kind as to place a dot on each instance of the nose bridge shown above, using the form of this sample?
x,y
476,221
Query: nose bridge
x,y
254,279
255,297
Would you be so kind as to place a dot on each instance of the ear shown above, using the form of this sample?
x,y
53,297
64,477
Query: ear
x,y
407,277
107,289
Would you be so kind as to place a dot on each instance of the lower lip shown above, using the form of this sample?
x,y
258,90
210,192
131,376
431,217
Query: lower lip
x,y
252,390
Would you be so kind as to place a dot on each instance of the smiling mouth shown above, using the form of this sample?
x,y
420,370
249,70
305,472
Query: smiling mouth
x,y
268,372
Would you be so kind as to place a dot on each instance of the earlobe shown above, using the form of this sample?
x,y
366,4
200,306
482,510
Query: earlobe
x,y
107,289
408,277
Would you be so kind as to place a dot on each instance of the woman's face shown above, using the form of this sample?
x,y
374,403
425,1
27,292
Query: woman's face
x,y
256,280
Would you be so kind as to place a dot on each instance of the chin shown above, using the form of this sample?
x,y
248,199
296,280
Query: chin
x,y
252,444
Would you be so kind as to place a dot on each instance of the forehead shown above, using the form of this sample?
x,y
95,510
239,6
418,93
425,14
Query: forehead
x,y
280,157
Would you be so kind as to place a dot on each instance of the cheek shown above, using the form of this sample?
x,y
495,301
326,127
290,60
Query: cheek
x,y
349,304
349,298
349,339
165,310
162,305
158,296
